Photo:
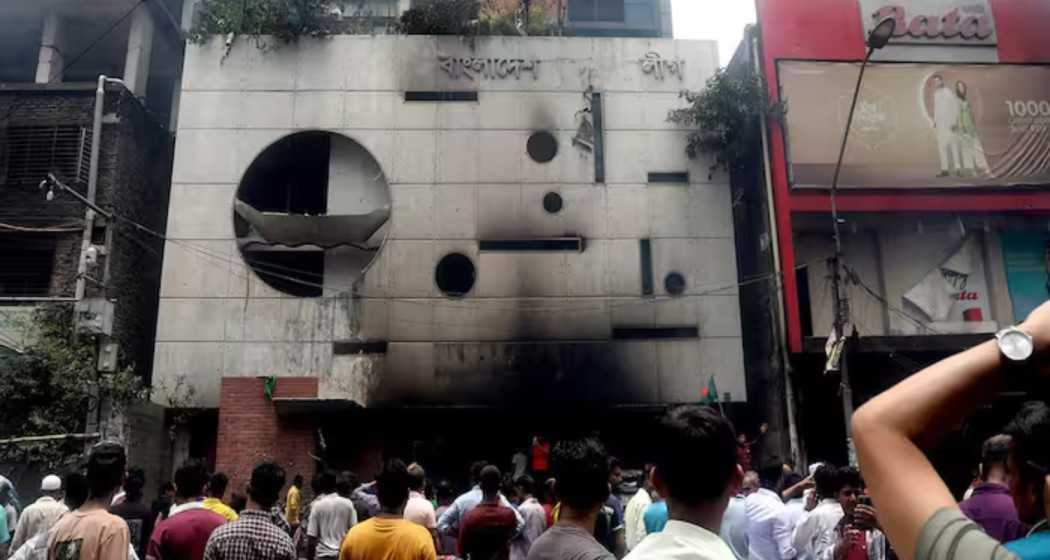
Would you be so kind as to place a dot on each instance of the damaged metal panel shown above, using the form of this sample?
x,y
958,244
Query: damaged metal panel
x,y
300,229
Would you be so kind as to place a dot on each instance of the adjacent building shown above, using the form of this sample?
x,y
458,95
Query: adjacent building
x,y
51,251
439,247
942,195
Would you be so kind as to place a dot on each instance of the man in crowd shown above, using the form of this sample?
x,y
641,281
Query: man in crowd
x,y
765,534
165,498
346,485
634,513
816,532
135,510
450,521
696,472
734,520
42,514
486,530
331,516
581,471
445,496
655,516
535,517
791,513
990,505
419,510
857,536
293,501
91,532
253,536
216,491
611,524
388,536
184,534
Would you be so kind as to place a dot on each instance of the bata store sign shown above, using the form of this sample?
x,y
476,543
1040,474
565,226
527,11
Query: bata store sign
x,y
938,22
918,125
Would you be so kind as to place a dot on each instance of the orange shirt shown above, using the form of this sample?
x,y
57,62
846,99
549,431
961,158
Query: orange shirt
x,y
89,535
384,538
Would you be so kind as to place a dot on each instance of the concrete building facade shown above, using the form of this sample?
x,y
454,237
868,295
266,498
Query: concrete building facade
x,y
489,223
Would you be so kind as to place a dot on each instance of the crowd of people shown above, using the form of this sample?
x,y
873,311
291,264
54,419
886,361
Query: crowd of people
x,y
696,501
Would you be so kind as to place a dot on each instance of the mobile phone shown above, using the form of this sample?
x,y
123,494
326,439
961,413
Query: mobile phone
x,y
864,500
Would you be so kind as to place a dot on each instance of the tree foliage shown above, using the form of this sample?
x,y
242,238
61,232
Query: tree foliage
x,y
50,388
286,20
723,117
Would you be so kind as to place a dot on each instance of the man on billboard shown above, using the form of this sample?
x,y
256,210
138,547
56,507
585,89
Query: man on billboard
x,y
946,108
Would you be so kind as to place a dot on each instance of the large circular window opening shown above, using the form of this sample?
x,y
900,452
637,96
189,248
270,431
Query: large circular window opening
x,y
311,213
454,275
542,146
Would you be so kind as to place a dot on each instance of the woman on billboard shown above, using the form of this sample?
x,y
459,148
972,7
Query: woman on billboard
x,y
970,147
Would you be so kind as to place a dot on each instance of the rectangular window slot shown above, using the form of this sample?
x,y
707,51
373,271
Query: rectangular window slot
x,y
351,348
599,138
28,261
645,252
669,177
559,244
441,96
648,333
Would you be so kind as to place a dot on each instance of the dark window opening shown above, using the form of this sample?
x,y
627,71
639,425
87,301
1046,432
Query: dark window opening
x,y
645,252
805,311
596,10
441,96
669,177
542,146
27,264
455,275
674,283
573,244
296,273
645,333
29,153
552,202
599,137
291,175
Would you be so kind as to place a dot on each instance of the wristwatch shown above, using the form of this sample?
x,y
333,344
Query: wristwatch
x,y
1015,345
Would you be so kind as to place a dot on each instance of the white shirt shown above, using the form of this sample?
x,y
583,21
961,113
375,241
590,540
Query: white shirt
x,y
331,516
734,527
763,514
815,535
36,519
634,517
785,529
682,541
946,107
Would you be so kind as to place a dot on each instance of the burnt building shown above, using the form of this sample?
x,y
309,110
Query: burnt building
x,y
438,247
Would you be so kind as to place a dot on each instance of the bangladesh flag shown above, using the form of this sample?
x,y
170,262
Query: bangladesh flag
x,y
709,394
269,385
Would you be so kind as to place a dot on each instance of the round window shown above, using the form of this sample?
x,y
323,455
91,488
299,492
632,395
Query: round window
x,y
552,203
454,275
674,283
542,146
292,211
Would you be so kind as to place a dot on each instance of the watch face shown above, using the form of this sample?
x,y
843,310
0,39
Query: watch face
x,y
1015,345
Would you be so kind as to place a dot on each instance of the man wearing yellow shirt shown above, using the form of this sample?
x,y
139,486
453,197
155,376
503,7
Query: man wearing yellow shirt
x,y
388,536
216,490
293,502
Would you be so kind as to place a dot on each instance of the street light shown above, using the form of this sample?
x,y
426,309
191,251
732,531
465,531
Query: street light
x,y
878,38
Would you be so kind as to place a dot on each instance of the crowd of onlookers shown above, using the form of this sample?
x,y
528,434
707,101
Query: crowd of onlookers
x,y
696,500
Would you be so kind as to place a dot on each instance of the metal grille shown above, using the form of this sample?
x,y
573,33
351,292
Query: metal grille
x,y
29,153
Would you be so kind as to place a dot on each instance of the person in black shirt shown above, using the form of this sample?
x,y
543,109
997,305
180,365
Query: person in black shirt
x,y
135,511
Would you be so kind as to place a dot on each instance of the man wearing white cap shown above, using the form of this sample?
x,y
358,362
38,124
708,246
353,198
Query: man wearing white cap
x,y
41,514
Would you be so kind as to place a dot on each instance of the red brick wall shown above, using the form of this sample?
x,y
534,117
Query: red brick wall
x,y
250,430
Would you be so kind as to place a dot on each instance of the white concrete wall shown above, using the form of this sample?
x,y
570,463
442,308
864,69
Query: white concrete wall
x,y
458,172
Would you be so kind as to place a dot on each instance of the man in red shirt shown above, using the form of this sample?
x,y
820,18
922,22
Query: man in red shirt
x,y
184,534
486,530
